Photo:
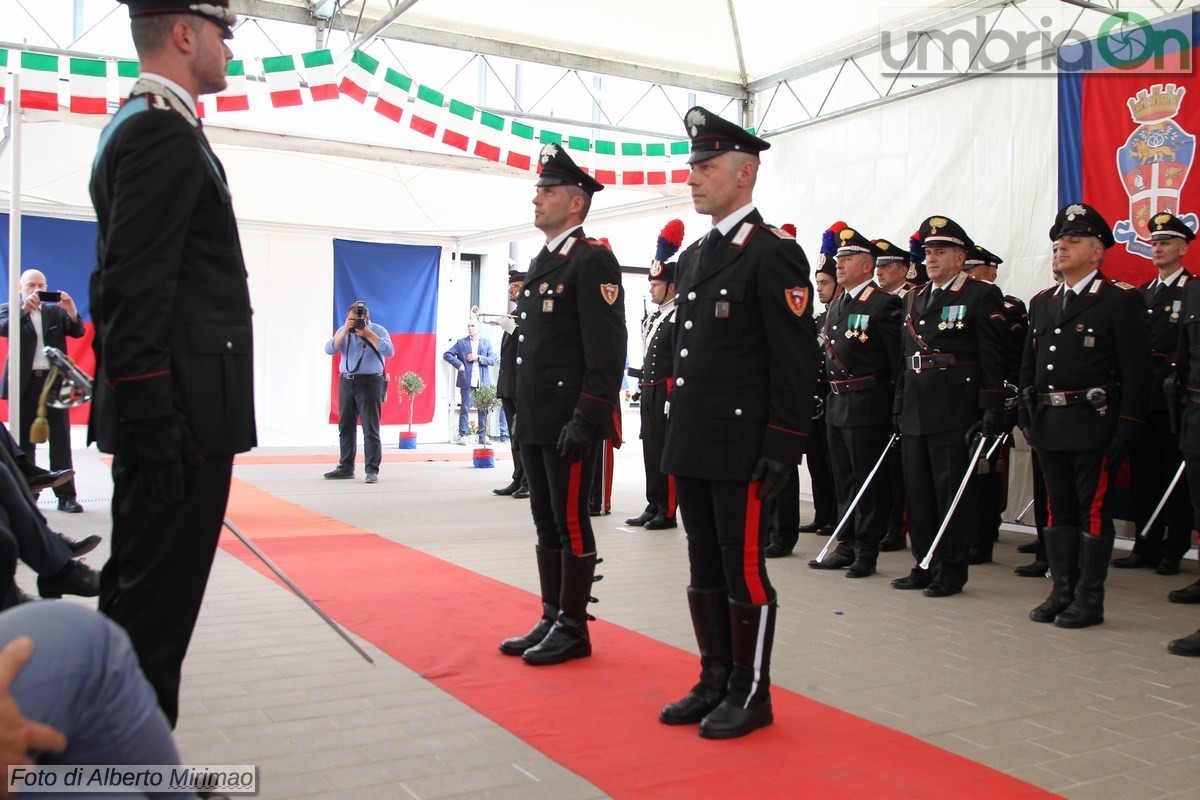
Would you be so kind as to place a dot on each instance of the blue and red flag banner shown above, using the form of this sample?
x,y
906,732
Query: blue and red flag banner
x,y
399,284
65,251
1128,117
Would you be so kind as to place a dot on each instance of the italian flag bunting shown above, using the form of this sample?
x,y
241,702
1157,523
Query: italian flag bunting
x,y
89,86
580,146
235,97
393,94
356,80
425,114
679,154
460,124
282,81
491,132
127,75
39,81
606,162
656,164
633,172
321,76
3,76
520,146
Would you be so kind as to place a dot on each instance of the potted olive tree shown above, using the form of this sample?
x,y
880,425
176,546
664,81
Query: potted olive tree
x,y
412,385
484,399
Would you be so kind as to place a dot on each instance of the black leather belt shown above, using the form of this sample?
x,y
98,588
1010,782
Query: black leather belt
x,y
1073,398
863,384
352,375
919,361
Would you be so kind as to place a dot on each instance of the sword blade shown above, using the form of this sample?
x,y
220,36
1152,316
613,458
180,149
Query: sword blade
x,y
1163,502
962,487
854,503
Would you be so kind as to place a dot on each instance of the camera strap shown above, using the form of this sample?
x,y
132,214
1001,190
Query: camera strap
x,y
362,353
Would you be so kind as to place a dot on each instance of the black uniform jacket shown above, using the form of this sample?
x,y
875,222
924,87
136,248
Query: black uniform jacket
x,y
1187,361
1164,310
659,364
571,345
962,333
1102,340
746,356
57,325
506,380
862,352
169,297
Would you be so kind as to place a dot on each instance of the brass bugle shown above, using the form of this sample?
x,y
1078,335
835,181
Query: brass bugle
x,y
492,319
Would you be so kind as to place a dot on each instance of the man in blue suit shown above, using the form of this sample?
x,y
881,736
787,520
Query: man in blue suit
x,y
472,357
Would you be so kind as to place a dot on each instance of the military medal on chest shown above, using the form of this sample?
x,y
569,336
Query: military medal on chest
x,y
952,317
856,327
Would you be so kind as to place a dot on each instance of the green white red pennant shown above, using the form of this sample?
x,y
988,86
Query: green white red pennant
x,y
393,94
235,96
357,79
320,75
427,111
39,81
283,81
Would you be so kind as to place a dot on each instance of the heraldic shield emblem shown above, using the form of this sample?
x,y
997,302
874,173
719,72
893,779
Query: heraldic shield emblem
x,y
797,299
1154,163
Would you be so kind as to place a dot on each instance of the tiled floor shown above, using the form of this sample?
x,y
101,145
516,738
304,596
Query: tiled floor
x,y
1097,713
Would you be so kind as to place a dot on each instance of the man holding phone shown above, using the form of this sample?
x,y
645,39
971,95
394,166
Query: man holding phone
x,y
47,319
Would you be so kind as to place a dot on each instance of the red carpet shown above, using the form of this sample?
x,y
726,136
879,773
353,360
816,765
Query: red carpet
x,y
598,716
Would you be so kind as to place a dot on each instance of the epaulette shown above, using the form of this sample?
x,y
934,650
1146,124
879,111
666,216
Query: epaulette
x,y
1047,290
1121,284
594,243
780,232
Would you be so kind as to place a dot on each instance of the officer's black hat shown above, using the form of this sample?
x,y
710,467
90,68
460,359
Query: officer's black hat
x,y
712,136
851,241
662,272
1080,219
940,231
980,256
1168,226
216,10
516,276
557,169
888,253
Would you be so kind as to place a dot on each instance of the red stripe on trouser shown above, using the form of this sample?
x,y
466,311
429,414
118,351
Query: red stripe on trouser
x,y
1096,510
750,555
672,503
574,475
608,473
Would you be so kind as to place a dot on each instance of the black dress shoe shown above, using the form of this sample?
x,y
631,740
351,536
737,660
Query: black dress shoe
x,y
913,580
940,590
1027,548
1187,646
861,568
75,578
891,542
522,493
339,474
48,480
730,720
79,547
1188,594
1132,561
660,523
977,556
776,550
507,490
1168,566
834,560
811,527
1037,569
69,505
640,519
825,530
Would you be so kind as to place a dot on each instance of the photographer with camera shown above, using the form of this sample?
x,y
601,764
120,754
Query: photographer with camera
x,y
47,319
363,346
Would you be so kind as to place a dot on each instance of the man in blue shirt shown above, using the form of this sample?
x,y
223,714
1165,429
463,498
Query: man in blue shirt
x,y
363,346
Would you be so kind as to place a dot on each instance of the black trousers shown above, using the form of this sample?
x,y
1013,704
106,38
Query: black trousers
x,y
60,431
1152,465
726,535
558,497
821,475
934,465
37,546
853,451
783,513
508,406
162,553
660,487
1192,475
1077,483
359,398
894,475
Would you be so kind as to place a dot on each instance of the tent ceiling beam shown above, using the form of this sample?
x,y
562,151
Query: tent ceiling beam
x,y
644,208
265,9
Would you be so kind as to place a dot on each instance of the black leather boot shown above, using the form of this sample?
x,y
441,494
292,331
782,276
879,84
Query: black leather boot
x,y
1062,555
568,637
747,705
710,621
550,575
1088,606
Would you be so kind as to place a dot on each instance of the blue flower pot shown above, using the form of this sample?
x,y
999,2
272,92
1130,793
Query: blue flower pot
x,y
408,441
483,457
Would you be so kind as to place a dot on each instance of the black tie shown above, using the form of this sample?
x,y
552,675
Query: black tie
x,y
933,295
1068,296
1160,293
710,243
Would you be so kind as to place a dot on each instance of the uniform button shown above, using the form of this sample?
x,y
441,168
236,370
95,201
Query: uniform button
x,y
723,292
518,359
688,325
922,322
560,383
737,412
1051,387
527,293
683,353
520,337
1058,330
835,327
229,345
1050,366
677,295
1053,348
679,382
691,295
522,315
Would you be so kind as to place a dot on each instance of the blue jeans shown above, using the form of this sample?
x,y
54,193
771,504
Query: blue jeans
x,y
83,680
464,408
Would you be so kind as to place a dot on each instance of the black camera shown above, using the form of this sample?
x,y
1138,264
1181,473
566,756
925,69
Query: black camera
x,y
360,315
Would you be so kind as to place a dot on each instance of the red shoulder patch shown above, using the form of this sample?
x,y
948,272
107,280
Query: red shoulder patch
x,y
797,299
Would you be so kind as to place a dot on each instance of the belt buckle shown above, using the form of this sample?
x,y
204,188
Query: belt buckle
x,y
1058,398
916,362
